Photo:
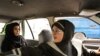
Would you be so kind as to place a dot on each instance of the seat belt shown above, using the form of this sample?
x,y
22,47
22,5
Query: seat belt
x,y
69,49
53,45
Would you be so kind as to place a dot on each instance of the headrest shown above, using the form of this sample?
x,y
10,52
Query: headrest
x,y
80,36
77,41
45,36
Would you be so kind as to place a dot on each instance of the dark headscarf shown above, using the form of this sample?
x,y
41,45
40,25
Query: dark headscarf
x,y
11,41
68,29
9,31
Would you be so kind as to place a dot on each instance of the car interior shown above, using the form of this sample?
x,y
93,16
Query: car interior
x,y
23,11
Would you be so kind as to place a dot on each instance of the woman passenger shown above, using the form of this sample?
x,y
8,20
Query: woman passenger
x,y
63,32
13,39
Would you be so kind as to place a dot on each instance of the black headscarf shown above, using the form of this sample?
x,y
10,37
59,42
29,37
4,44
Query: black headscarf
x,y
68,29
11,41
9,34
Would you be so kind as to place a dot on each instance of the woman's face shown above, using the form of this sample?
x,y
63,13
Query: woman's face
x,y
58,34
16,30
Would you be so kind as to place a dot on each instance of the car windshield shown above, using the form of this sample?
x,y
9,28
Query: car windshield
x,y
85,25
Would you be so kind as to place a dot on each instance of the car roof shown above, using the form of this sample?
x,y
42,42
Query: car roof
x,y
19,9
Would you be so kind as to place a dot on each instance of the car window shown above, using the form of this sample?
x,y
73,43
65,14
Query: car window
x,y
83,24
2,28
37,25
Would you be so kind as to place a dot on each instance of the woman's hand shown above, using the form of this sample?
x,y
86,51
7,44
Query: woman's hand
x,y
97,51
